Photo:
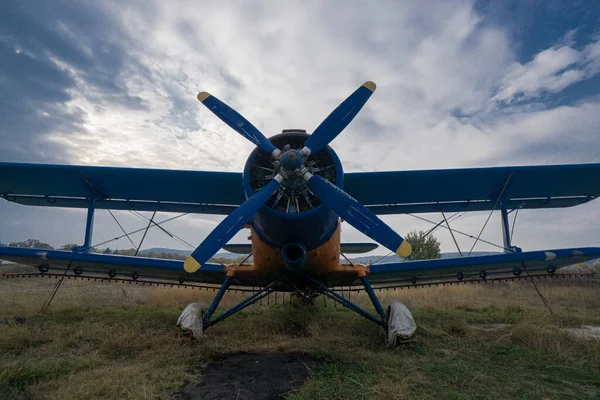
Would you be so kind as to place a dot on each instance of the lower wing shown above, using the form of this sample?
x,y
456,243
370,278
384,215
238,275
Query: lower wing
x,y
461,268
114,265
464,268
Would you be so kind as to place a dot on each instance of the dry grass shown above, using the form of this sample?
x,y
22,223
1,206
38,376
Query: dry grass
x,y
102,340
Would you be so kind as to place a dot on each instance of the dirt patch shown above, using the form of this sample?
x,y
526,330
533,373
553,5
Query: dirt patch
x,y
251,376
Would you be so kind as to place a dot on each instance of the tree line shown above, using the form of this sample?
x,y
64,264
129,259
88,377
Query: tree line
x,y
38,244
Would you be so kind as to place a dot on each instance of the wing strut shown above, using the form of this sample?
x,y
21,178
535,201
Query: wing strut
x,y
498,200
452,233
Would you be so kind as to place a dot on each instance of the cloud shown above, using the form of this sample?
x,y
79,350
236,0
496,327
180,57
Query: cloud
x,y
115,85
550,70
49,53
561,135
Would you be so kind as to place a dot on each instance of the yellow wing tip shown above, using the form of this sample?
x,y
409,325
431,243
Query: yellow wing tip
x,y
203,96
370,85
191,265
405,249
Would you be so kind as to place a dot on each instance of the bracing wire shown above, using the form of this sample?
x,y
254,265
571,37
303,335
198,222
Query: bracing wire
x,y
490,214
120,226
512,229
145,233
381,258
171,234
450,219
136,231
452,234
459,232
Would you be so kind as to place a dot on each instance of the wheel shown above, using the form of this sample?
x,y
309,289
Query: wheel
x,y
43,268
460,276
551,269
134,276
516,271
483,274
112,273
78,270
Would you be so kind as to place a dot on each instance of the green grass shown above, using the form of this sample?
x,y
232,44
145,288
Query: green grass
x,y
103,349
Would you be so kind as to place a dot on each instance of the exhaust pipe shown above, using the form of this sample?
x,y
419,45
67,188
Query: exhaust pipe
x,y
294,256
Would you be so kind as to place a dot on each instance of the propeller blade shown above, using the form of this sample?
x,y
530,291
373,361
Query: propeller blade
x,y
238,123
230,226
335,123
357,215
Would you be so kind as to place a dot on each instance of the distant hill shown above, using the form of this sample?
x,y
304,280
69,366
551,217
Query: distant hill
x,y
166,250
185,253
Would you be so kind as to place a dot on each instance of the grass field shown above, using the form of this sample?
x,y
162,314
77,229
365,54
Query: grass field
x,y
102,340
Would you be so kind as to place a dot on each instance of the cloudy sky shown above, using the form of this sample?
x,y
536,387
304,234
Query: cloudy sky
x,y
460,84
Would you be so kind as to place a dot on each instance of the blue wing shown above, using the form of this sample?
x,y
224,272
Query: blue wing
x,y
497,264
474,189
393,273
207,192
123,266
121,188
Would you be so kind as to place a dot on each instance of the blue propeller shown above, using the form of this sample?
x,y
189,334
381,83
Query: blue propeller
x,y
357,215
339,119
333,197
230,226
238,123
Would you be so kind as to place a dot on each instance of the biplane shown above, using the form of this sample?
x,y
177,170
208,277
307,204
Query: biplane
x,y
293,196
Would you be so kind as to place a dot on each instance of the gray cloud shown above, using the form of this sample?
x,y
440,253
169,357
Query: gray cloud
x,y
49,52
116,85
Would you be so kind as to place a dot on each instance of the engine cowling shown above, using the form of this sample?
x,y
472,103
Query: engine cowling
x,y
292,214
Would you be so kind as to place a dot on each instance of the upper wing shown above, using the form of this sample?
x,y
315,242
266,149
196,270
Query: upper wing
x,y
474,189
121,188
449,268
221,192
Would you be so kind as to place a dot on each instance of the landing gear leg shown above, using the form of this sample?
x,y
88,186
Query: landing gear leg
x,y
382,320
373,298
215,303
262,293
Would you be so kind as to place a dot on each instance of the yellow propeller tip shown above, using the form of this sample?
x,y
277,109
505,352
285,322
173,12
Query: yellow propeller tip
x,y
405,249
370,85
203,96
191,265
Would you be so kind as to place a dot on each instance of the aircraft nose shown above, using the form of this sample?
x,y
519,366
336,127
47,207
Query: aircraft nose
x,y
291,160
